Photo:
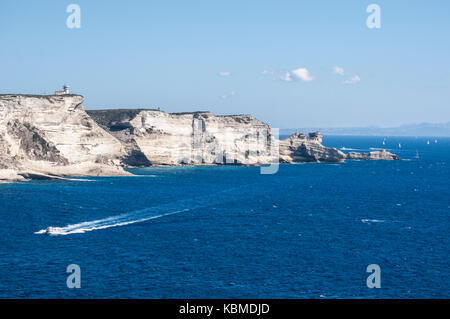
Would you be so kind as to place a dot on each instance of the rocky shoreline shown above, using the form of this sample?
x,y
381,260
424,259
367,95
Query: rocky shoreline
x,y
50,137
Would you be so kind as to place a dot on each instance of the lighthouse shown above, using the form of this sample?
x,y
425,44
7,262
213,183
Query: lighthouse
x,y
66,89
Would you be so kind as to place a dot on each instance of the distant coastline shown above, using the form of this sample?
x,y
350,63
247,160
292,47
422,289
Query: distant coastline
x,y
422,130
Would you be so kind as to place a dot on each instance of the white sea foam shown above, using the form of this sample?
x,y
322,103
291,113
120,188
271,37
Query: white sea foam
x,y
142,175
365,221
354,149
364,149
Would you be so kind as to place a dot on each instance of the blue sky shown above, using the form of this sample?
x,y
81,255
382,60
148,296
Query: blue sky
x,y
171,54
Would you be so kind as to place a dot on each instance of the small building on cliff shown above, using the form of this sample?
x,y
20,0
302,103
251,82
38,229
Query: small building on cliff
x,y
66,89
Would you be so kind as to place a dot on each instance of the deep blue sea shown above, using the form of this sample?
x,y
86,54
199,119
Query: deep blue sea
x,y
308,231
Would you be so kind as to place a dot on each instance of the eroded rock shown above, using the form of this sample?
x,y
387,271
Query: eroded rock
x,y
298,148
375,155
53,135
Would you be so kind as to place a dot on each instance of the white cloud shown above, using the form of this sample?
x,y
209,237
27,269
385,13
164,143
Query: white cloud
x,y
302,74
297,74
338,70
225,73
287,77
228,95
267,72
354,79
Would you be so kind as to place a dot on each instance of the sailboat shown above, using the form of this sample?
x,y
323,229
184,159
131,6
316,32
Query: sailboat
x,y
428,142
384,142
435,141
399,145
417,154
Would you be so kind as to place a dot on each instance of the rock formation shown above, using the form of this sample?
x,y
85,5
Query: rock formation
x,y
298,148
53,136
153,137
375,155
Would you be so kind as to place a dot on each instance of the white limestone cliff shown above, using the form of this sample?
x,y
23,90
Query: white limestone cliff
x,y
53,137
298,148
49,136
198,138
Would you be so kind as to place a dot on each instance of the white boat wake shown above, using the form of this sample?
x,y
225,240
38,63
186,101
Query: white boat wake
x,y
114,221
138,216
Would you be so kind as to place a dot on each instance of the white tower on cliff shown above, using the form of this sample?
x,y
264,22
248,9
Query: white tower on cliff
x,y
66,89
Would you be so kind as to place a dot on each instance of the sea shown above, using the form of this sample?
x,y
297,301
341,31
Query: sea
x,y
308,231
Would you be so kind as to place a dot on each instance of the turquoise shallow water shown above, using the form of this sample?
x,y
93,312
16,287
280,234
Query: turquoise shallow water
x,y
308,231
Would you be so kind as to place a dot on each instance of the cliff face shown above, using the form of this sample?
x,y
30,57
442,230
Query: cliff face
x,y
53,135
153,137
299,148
